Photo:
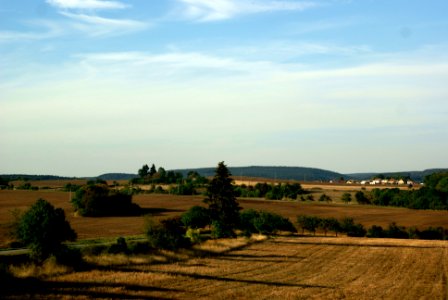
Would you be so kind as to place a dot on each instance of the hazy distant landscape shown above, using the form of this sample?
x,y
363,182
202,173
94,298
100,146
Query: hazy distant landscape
x,y
286,173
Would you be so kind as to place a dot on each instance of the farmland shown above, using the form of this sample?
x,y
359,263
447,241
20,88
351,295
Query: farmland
x,y
282,267
277,268
162,206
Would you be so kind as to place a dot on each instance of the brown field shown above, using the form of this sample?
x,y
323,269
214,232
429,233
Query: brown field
x,y
277,268
167,205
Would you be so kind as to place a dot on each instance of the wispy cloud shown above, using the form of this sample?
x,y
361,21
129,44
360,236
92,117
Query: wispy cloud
x,y
84,17
87,4
50,30
95,25
215,10
170,66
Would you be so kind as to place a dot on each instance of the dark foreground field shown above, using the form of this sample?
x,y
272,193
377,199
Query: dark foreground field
x,y
168,205
277,268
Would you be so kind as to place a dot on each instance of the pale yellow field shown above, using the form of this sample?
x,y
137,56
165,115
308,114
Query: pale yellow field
x,y
278,268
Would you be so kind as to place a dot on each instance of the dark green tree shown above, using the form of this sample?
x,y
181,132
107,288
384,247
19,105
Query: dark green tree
x,y
346,197
361,198
325,224
196,217
43,228
309,223
334,225
222,204
153,170
325,197
144,171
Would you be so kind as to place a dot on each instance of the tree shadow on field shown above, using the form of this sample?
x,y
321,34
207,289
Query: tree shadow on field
x,y
359,245
262,258
156,211
33,288
138,212
228,279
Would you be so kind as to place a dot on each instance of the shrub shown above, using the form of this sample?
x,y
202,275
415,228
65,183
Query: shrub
x,y
119,247
252,221
166,234
324,198
376,232
196,217
247,220
356,230
194,235
398,232
43,228
69,256
432,233
139,247
222,230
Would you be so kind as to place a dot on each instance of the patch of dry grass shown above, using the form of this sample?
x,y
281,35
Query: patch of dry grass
x,y
48,268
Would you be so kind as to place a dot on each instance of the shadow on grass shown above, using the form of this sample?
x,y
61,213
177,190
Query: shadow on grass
x,y
156,211
301,241
227,279
137,212
262,258
35,288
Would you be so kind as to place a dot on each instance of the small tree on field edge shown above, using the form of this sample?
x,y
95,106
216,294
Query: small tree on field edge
x,y
43,228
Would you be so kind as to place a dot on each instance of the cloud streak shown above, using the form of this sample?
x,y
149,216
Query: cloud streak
x,y
98,26
86,4
51,30
217,10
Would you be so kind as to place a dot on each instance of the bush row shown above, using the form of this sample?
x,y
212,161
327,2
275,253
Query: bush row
x,y
348,226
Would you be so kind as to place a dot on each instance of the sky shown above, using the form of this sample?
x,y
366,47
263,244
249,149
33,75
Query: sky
x,y
94,86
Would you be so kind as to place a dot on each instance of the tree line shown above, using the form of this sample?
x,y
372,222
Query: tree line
x,y
347,225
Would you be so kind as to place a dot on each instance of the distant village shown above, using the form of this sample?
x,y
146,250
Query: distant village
x,y
379,181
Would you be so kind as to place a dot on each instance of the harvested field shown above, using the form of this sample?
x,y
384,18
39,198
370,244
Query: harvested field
x,y
162,206
278,268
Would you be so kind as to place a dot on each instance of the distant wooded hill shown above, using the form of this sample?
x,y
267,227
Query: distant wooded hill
x,y
285,173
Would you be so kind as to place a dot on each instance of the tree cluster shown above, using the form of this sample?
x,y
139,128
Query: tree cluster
x,y
401,232
95,200
270,191
148,175
346,225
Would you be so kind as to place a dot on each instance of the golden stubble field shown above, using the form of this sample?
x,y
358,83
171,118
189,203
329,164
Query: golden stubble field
x,y
276,268
162,206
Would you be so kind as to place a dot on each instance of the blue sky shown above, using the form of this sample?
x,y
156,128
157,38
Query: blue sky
x,y
95,86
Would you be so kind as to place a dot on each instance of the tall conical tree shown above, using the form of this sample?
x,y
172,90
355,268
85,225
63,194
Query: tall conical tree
x,y
222,204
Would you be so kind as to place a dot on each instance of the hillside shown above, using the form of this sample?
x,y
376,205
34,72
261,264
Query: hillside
x,y
287,173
